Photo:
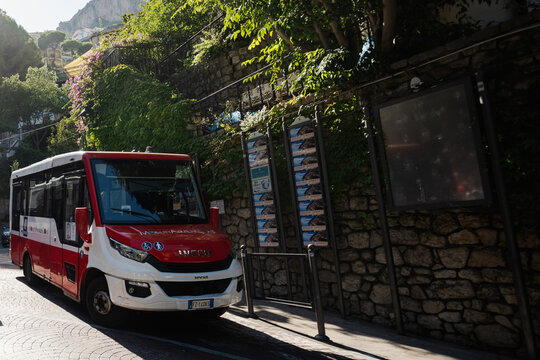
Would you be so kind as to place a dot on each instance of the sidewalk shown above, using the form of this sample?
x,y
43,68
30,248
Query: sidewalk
x,y
349,338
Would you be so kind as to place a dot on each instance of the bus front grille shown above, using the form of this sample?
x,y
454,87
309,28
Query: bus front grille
x,y
194,288
190,267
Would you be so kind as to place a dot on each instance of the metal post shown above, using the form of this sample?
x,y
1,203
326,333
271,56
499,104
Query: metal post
x,y
277,202
515,260
384,224
294,197
329,211
319,315
247,280
252,207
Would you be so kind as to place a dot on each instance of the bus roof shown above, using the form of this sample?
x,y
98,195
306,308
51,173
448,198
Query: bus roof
x,y
67,158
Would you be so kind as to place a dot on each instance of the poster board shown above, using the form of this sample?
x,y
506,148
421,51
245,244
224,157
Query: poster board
x,y
262,191
307,182
430,142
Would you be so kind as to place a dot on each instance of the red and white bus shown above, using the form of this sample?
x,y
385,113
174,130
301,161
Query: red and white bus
x,y
118,231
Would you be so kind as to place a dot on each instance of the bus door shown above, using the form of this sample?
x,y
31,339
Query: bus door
x,y
57,229
36,227
71,243
16,218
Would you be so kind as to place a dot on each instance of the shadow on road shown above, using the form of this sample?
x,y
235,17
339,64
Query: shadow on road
x,y
152,335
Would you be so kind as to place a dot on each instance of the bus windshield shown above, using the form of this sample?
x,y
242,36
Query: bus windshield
x,y
146,191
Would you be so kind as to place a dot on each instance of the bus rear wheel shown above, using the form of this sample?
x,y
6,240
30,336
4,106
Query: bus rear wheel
x,y
100,307
27,270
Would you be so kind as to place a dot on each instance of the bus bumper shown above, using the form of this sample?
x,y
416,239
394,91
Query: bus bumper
x,y
159,300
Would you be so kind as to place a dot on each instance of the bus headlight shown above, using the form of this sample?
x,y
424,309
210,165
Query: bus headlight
x,y
129,252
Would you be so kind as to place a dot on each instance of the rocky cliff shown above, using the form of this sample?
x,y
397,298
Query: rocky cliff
x,y
100,13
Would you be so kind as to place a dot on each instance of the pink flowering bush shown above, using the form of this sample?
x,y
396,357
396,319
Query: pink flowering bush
x,y
80,92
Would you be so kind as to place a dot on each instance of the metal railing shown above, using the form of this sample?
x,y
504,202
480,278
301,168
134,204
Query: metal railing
x,y
315,303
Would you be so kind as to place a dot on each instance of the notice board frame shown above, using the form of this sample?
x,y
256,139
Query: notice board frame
x,y
475,135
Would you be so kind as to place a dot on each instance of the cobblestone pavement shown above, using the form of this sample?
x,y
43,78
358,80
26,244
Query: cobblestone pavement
x,y
39,322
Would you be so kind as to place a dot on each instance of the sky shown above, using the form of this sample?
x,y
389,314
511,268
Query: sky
x,y
41,15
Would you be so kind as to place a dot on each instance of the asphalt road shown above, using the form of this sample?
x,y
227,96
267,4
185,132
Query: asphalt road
x,y
39,322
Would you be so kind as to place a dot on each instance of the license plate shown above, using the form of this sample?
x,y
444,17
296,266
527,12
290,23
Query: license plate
x,y
200,304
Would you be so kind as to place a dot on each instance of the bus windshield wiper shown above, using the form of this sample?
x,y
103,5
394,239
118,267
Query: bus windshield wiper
x,y
135,213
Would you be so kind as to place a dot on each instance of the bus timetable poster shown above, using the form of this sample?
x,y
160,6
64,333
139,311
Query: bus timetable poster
x,y
307,179
263,195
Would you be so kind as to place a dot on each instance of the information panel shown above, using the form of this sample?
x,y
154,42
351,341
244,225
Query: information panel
x,y
263,195
307,180
431,149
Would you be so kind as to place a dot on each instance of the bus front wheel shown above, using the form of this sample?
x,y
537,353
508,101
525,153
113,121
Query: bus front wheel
x,y
100,307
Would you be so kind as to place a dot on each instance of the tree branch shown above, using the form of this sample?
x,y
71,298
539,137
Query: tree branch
x,y
340,36
281,33
319,31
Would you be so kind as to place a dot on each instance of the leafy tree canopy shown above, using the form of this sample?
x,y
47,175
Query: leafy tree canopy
x,y
128,110
133,110
35,100
170,22
329,41
76,48
325,41
17,49
51,39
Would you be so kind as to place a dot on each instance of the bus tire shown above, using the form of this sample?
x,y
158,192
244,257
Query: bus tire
x,y
27,270
100,307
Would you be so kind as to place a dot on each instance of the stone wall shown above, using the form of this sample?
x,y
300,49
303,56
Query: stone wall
x,y
452,265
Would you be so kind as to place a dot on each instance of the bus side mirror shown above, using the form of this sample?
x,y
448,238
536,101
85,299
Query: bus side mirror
x,y
81,224
214,217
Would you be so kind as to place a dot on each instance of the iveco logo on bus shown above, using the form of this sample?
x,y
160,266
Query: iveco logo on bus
x,y
194,253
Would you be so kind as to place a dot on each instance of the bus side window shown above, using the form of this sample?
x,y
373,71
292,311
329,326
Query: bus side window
x,y
71,202
16,208
38,201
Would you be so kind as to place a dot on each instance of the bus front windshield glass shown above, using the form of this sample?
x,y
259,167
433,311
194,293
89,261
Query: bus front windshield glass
x,y
145,191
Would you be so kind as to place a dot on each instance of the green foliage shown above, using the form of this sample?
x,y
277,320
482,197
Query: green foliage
x,y
76,48
24,103
346,140
34,99
63,137
208,48
416,36
84,47
30,104
51,39
222,166
132,110
17,49
331,42
27,153
4,177
170,22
